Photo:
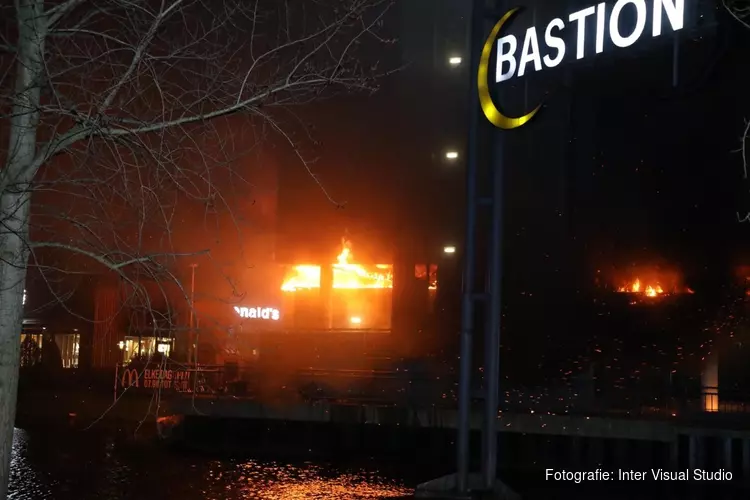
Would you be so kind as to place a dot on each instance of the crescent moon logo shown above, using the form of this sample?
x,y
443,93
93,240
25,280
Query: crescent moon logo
x,y
493,114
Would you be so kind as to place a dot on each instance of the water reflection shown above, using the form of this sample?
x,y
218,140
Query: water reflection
x,y
271,481
68,465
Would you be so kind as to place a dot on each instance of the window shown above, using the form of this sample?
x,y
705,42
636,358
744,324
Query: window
x,y
31,348
421,274
69,345
134,347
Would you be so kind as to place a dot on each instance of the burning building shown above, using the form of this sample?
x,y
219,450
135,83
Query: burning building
x,y
348,313
646,338
648,290
340,296
646,285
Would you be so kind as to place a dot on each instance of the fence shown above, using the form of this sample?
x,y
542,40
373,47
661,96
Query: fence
x,y
393,387
172,378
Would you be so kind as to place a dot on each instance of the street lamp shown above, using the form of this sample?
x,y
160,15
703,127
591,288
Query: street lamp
x,y
449,249
192,348
455,61
451,155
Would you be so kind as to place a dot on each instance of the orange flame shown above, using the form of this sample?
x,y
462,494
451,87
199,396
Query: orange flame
x,y
649,290
346,274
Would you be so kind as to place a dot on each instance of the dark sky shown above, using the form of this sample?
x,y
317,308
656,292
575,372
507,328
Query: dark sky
x,y
381,153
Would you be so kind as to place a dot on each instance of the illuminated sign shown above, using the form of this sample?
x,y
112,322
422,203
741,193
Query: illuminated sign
x,y
156,379
533,57
267,313
132,377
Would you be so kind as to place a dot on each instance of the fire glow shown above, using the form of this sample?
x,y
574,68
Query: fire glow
x,y
652,284
648,289
346,274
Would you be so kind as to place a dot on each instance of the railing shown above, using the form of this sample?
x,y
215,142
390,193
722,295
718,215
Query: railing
x,y
172,378
393,388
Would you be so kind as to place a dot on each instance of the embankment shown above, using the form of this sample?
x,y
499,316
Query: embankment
x,y
87,408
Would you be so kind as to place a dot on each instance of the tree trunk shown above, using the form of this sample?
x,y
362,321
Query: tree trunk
x,y
15,196
12,277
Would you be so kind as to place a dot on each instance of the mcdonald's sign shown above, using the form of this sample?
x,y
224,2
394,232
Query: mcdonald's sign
x,y
153,378
132,377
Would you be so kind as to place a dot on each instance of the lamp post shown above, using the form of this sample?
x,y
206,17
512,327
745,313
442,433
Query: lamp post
x,y
192,351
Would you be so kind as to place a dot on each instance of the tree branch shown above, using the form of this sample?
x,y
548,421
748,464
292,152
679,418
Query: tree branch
x,y
139,53
739,10
160,109
111,264
744,140
56,13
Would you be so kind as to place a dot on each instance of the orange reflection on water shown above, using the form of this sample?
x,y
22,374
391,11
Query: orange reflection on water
x,y
341,488
273,481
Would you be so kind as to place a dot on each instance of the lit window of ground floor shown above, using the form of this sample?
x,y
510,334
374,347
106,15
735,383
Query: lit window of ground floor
x,y
134,347
60,349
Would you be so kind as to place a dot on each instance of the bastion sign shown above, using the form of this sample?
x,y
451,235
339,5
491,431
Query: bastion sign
x,y
545,47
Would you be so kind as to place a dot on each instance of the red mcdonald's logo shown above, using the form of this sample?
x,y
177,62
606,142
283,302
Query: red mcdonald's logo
x,y
132,375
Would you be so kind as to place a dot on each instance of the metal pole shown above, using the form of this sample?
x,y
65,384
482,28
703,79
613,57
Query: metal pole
x,y
467,311
191,347
192,293
492,333
492,336
676,60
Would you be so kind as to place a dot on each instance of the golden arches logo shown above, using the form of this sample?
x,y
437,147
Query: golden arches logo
x,y
132,376
493,114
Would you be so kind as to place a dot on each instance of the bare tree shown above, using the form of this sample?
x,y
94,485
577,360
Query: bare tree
x,y
115,111
740,11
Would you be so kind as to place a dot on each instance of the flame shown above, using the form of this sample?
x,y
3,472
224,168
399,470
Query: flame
x,y
304,276
649,290
346,274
